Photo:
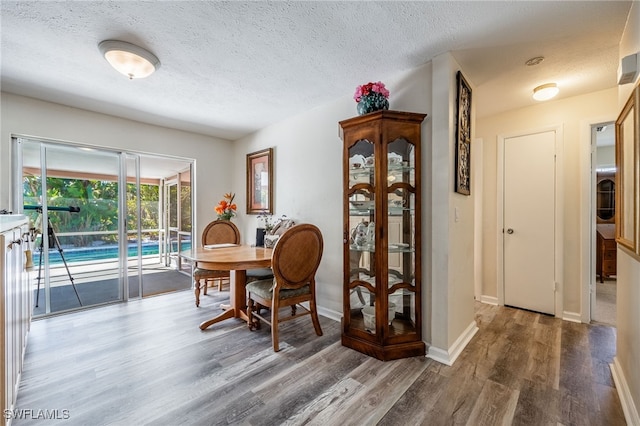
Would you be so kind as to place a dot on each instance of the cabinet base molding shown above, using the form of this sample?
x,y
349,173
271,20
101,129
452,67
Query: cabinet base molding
x,y
386,352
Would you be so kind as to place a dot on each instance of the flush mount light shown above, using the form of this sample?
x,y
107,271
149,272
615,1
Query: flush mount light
x,y
545,92
129,59
534,61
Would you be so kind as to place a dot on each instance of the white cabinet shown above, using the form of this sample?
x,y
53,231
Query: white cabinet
x,y
15,306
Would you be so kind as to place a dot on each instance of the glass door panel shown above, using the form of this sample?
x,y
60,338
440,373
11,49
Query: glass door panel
x,y
401,261
184,236
361,254
133,281
110,216
162,221
76,251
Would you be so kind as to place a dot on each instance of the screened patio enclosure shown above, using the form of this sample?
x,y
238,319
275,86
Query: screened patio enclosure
x,y
107,225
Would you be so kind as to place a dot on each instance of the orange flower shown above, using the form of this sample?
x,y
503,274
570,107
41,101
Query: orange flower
x,y
226,208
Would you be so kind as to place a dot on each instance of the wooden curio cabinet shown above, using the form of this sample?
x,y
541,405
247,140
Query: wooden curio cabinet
x,y
382,313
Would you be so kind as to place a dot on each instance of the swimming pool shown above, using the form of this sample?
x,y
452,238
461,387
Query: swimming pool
x,y
89,254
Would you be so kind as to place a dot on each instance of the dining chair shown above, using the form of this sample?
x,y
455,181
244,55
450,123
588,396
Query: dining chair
x,y
294,262
216,232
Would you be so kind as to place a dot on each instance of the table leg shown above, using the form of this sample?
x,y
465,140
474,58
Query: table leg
x,y
238,296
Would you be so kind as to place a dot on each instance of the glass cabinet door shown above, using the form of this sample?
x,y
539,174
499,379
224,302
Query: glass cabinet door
x,y
401,230
605,201
361,254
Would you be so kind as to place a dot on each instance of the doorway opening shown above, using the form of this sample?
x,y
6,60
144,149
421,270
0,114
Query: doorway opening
x,y
604,247
108,238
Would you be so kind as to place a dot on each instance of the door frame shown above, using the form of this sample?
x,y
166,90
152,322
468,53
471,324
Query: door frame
x,y
587,216
558,214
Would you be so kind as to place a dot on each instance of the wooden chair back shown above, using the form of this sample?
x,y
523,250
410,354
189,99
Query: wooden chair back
x,y
297,256
294,261
216,232
219,232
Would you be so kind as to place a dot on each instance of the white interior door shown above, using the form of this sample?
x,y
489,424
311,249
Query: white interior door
x,y
529,221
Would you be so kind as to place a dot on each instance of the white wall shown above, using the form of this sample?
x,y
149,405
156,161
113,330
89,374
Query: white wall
x,y
29,117
574,115
308,170
627,362
452,284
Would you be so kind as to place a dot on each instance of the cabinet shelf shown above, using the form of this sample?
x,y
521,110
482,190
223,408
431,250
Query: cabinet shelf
x,y
371,249
391,211
382,274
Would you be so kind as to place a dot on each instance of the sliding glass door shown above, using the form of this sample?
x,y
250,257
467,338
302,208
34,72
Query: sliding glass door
x,y
102,234
75,215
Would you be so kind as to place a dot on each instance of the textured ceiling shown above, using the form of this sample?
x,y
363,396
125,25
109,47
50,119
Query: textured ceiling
x,y
230,68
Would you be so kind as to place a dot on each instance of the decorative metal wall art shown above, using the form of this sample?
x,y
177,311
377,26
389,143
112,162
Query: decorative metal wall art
x,y
463,140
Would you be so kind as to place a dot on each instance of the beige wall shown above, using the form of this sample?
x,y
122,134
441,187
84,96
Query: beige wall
x,y
574,115
29,117
627,362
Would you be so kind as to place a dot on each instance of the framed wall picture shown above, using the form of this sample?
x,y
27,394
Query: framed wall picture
x,y
463,137
260,182
628,173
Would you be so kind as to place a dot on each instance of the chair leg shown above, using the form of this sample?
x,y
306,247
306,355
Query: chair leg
x,y
274,325
206,284
196,284
250,313
314,316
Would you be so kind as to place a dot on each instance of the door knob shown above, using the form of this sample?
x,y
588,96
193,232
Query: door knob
x,y
509,231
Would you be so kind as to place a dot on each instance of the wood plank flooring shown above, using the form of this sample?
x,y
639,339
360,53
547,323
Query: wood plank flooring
x,y
147,362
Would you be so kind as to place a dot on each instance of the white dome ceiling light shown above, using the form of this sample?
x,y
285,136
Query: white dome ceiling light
x,y
545,92
129,59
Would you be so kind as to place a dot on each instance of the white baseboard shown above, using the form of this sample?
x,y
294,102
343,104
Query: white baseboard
x,y
329,313
489,300
626,399
572,316
449,356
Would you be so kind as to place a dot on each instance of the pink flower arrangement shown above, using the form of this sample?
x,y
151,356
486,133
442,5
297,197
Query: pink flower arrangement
x,y
369,89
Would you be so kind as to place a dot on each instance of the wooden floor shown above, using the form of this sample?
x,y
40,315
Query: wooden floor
x,y
147,362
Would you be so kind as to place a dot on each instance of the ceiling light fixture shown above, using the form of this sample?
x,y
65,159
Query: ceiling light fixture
x,y
129,59
545,92
534,61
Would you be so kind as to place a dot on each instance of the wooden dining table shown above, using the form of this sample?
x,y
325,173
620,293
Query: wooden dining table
x,y
236,259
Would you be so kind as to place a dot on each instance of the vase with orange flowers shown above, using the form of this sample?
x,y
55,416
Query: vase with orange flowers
x,y
226,208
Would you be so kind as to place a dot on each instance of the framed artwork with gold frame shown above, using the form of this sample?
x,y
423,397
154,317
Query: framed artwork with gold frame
x,y
627,175
260,182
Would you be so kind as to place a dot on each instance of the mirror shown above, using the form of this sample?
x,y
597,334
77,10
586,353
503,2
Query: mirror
x,y
627,151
